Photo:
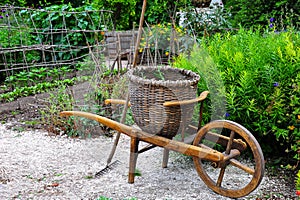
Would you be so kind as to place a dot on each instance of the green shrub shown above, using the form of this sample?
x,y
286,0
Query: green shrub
x,y
262,80
259,76
257,13
210,79
205,22
62,99
59,99
127,13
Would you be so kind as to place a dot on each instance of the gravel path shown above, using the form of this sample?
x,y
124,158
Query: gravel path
x,y
34,165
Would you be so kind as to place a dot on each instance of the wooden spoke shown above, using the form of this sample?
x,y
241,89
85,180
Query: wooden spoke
x,y
229,144
221,176
239,165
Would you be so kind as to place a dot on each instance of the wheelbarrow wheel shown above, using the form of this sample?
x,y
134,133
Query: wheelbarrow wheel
x,y
242,169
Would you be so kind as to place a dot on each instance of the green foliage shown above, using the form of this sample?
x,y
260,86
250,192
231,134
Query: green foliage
x,y
162,11
12,37
298,181
62,99
25,91
39,3
210,79
262,80
15,37
14,2
21,28
53,19
257,13
59,100
127,13
205,22
259,76
34,76
124,12
103,198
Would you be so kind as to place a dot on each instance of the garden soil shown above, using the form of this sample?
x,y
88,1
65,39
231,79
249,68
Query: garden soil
x,y
35,164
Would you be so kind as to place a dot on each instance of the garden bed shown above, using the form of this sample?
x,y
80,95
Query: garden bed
x,y
24,112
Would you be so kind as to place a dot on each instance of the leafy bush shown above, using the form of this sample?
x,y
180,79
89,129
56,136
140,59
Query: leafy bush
x,y
200,62
62,99
257,13
59,100
262,80
124,12
127,13
205,21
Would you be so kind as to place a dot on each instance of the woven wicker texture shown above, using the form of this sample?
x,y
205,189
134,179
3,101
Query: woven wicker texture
x,y
150,87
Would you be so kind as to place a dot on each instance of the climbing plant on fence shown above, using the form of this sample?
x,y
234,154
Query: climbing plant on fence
x,y
52,37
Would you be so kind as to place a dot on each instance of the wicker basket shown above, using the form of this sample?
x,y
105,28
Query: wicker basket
x,y
148,92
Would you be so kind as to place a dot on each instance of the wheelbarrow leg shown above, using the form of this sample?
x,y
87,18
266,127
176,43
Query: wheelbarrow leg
x,y
167,151
165,158
134,143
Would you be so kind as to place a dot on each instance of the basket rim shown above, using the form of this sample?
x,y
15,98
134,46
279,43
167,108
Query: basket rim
x,y
167,83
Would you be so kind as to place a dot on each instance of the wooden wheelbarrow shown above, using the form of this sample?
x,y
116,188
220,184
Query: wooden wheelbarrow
x,y
219,148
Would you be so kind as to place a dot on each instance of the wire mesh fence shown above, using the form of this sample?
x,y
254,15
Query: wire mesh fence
x,y
31,38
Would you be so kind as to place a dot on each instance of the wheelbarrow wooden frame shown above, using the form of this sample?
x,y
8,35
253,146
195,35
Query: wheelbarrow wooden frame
x,y
194,147
137,135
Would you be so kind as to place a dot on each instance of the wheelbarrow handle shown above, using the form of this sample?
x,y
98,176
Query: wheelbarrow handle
x,y
116,101
202,97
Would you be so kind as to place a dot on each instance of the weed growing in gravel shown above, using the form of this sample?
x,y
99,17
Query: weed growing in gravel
x,y
103,198
18,129
62,99
59,100
89,177
137,172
